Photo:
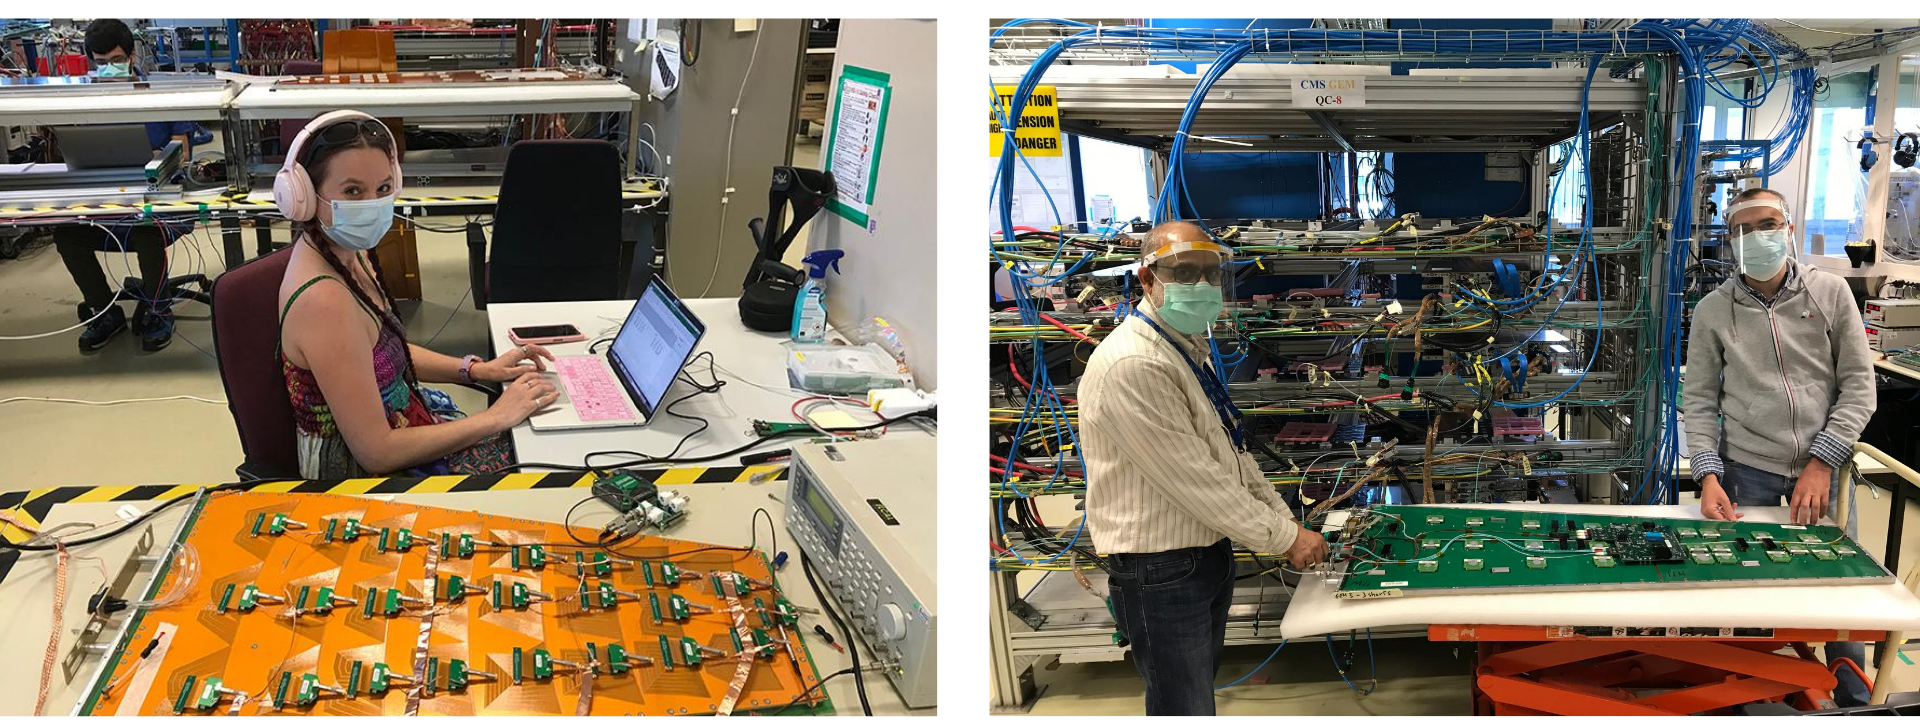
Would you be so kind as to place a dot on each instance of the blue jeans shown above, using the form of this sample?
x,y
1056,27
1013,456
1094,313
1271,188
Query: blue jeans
x,y
1748,486
1172,606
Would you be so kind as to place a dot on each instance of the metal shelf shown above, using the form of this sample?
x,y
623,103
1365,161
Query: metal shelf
x,y
1403,113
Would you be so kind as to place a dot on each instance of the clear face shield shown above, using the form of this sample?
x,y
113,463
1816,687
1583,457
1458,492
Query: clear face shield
x,y
1195,281
1762,242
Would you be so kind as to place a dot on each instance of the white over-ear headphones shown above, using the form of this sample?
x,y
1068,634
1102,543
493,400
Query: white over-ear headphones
x,y
293,190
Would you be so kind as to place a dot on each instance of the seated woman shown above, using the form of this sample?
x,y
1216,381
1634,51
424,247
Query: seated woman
x,y
352,375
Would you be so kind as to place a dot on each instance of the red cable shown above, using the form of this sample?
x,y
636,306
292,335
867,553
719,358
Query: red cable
x,y
1026,466
1069,330
1029,386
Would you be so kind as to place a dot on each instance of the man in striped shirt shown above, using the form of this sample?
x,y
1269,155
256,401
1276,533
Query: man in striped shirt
x,y
1169,486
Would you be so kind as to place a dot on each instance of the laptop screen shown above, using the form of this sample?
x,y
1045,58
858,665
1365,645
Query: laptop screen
x,y
655,341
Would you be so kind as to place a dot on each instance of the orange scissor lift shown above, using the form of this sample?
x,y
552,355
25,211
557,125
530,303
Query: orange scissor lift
x,y
1533,670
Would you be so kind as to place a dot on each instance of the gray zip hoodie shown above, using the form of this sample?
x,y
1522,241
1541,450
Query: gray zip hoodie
x,y
1770,385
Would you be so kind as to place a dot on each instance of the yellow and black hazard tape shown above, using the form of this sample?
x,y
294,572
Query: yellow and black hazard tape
x,y
29,508
249,202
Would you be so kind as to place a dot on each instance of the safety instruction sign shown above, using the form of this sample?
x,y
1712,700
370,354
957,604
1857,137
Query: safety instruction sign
x,y
1037,133
854,138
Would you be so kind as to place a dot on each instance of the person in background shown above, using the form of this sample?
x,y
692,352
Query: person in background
x,y
1169,487
1779,386
351,375
110,44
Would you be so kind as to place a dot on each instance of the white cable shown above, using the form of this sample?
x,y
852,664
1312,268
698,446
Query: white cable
x,y
726,184
118,292
35,399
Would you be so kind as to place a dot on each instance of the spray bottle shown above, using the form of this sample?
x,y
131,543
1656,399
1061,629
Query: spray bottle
x,y
810,308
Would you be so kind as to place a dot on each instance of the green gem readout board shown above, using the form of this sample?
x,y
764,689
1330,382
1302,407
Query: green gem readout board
x,y
1407,550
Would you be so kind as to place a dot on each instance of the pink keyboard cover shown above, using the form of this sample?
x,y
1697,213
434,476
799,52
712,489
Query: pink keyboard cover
x,y
595,394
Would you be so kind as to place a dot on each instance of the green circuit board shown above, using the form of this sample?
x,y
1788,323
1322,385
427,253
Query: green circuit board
x,y
1403,550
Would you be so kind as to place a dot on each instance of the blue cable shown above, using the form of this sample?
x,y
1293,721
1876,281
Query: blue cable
x,y
1262,665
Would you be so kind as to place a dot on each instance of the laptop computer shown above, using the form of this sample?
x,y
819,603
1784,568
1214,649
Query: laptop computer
x,y
628,386
105,147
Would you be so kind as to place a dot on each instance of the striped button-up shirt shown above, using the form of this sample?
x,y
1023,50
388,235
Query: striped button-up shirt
x,y
1162,474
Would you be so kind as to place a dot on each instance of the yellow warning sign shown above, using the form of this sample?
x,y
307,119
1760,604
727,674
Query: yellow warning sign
x,y
1037,133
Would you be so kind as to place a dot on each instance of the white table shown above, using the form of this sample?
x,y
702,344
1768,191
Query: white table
x,y
719,515
1878,606
747,356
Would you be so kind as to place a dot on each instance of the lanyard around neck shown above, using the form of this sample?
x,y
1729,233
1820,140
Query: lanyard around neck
x,y
1215,388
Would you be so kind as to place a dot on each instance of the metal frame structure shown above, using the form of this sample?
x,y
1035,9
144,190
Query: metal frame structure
x,y
1598,449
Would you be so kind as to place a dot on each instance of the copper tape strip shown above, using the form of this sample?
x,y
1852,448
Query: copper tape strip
x,y
746,655
426,634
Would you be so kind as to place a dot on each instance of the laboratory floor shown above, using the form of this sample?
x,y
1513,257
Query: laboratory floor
x,y
1417,677
174,441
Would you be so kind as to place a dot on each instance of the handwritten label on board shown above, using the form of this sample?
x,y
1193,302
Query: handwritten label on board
x,y
1329,93
1370,594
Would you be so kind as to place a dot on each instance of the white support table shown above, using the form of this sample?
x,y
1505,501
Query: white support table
x,y
720,514
754,356
1878,606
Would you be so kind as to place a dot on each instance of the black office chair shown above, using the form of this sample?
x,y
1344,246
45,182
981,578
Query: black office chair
x,y
556,231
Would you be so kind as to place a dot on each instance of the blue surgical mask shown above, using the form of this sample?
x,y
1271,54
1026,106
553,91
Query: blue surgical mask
x,y
1191,308
360,224
1763,253
114,70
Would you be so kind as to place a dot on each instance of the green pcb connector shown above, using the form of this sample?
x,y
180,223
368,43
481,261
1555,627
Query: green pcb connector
x,y
646,571
542,665
518,656
1427,567
718,584
760,608
184,699
788,614
532,556
433,674
690,651
321,601
669,573
742,586
764,428
517,596
273,524
341,530
456,547
653,602
1845,551
1604,562
207,697
1709,533
381,678
248,598
1699,558
1436,519
734,634
1474,564
1824,555
666,652
1529,525
596,564
1536,562
1686,533
353,678
597,597
681,609
1724,557
459,677
618,661
761,642
392,540
1779,556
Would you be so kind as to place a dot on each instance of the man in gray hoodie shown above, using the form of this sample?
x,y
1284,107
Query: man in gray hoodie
x,y
1779,384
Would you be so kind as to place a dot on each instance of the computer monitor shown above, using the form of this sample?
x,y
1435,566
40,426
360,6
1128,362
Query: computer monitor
x,y
656,340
